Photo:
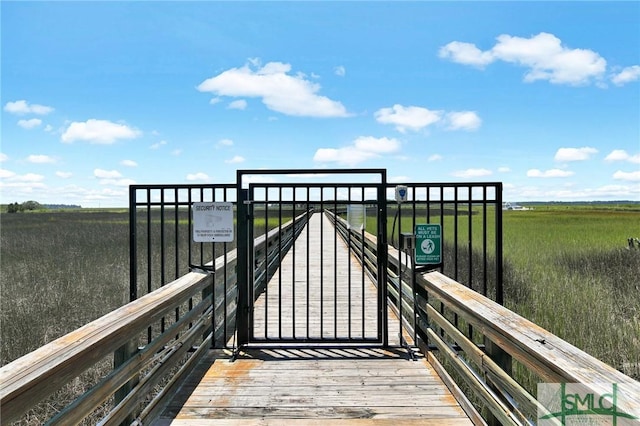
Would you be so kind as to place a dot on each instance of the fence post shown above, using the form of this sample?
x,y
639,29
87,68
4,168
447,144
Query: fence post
x,y
504,361
120,356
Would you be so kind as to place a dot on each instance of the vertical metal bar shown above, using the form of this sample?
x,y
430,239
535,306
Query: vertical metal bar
x,y
307,260
499,261
162,252
149,254
242,309
399,213
470,249
382,259
266,261
322,263
362,263
133,245
335,263
484,241
202,244
225,301
348,272
279,262
293,270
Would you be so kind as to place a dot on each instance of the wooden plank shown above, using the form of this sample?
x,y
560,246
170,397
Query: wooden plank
x,y
260,386
323,294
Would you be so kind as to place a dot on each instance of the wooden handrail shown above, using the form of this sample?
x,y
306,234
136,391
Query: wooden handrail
x,y
36,375
552,359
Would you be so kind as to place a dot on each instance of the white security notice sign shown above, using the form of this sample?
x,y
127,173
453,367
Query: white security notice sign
x,y
212,222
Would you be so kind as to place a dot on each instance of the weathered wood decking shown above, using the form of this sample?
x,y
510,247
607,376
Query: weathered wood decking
x,y
311,384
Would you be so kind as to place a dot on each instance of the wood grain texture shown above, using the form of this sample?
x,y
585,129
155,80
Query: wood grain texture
x,y
266,386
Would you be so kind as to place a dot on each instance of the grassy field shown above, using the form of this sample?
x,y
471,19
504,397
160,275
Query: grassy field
x,y
566,268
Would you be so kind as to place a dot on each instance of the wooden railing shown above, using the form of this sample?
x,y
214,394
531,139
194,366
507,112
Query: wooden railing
x,y
148,373
474,339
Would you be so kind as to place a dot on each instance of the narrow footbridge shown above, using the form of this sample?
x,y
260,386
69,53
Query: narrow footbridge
x,y
316,320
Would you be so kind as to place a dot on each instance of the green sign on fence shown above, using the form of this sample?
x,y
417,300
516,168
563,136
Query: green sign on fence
x,y
428,249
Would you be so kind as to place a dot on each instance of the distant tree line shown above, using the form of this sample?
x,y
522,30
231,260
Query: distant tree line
x,y
26,206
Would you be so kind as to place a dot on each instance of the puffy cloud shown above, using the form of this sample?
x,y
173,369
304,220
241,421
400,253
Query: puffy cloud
x,y
472,173
98,132
129,163
435,157
465,53
3,157
106,174
416,118
40,159
225,142
198,176
29,124
364,148
463,120
630,176
64,175
553,173
410,117
627,75
543,55
279,90
4,173
340,71
622,155
23,107
574,154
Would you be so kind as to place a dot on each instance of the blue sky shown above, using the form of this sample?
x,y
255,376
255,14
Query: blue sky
x,y
542,96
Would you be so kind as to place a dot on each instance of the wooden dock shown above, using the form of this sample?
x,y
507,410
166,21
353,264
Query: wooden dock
x,y
310,384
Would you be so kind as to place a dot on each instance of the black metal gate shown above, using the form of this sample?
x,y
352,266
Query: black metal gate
x,y
302,284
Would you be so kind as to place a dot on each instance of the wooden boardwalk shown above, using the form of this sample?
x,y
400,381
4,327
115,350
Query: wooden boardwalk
x,y
309,384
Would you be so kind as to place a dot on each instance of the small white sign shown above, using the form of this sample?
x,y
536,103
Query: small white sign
x,y
212,222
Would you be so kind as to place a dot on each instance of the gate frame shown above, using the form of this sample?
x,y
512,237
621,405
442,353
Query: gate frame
x,y
244,317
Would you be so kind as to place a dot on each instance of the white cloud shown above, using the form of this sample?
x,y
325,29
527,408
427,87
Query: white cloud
x,y
435,157
3,157
64,175
472,173
225,142
622,155
340,71
463,120
364,148
129,163
240,104
4,173
40,159
504,169
23,107
543,55
29,124
627,75
98,132
465,53
106,174
553,173
198,176
235,160
157,145
176,152
279,91
630,176
410,117
48,128
574,154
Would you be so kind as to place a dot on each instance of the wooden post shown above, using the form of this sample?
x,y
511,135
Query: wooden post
x,y
120,356
504,360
